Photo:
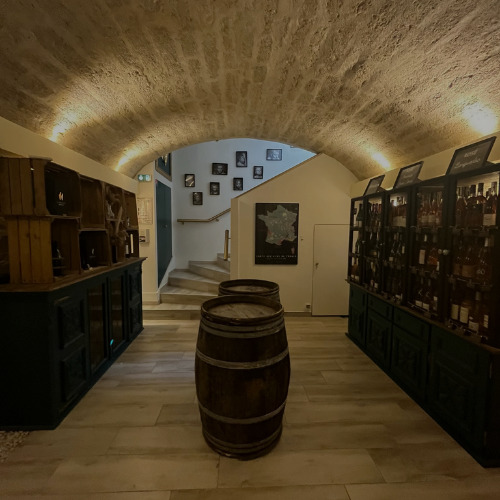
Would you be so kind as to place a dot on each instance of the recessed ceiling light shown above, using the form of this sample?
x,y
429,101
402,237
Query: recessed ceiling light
x,y
381,160
480,118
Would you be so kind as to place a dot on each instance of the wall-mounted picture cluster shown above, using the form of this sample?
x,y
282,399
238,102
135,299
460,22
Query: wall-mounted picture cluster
x,y
218,168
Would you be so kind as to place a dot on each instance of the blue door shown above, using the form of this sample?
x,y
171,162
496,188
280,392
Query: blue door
x,y
163,228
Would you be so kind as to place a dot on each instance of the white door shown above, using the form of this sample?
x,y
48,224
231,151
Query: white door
x,y
330,290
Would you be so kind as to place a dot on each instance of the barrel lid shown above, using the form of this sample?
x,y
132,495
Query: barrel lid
x,y
241,309
249,285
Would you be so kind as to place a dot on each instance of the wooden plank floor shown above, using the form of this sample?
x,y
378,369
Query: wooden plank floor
x,y
350,433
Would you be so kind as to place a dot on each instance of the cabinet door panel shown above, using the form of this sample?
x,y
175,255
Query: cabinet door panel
x,y
73,374
409,361
378,338
356,324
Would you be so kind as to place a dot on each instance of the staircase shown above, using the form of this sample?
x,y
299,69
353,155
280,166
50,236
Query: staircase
x,y
187,289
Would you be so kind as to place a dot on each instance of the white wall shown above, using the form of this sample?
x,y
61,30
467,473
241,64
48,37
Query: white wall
x,y
202,241
434,166
321,186
23,142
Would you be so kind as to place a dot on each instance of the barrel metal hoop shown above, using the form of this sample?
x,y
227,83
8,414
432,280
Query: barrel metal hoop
x,y
248,332
242,365
228,447
242,421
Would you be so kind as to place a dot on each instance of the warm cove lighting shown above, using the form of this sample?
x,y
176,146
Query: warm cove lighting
x,y
63,126
381,160
480,118
127,156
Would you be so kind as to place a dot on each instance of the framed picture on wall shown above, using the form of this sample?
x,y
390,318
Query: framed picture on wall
x,y
238,183
219,168
163,164
273,154
214,188
189,180
258,172
197,198
276,233
241,159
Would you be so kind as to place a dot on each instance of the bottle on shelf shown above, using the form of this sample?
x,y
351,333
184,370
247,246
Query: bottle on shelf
x,y
394,248
431,215
427,299
459,258
470,261
425,210
419,295
422,252
474,314
359,215
479,206
439,208
470,210
483,269
484,316
455,301
432,260
490,207
465,307
460,207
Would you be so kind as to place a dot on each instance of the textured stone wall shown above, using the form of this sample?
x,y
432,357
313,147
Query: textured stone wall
x,y
124,81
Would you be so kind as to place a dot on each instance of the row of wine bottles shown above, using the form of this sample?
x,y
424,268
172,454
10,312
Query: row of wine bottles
x,y
472,261
469,310
476,209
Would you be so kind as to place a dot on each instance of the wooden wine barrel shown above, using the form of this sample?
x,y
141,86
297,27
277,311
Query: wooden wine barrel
x,y
262,288
242,370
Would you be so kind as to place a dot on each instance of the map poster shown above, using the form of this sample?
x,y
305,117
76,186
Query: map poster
x,y
276,233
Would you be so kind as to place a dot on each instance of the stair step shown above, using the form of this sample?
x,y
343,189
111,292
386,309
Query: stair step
x,y
226,264
170,311
183,278
209,270
179,295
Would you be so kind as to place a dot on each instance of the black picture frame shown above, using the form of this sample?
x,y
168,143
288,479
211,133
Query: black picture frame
x,y
214,188
408,175
163,165
374,185
274,154
276,233
471,157
189,180
197,198
237,183
241,159
219,168
258,172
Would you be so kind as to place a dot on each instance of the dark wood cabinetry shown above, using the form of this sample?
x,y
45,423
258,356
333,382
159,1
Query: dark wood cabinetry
x,y
70,287
424,273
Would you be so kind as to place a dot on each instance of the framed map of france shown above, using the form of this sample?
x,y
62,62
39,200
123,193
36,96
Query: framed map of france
x,y
276,233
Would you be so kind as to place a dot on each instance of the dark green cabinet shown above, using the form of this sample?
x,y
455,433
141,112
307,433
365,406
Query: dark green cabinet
x,y
57,341
357,315
454,378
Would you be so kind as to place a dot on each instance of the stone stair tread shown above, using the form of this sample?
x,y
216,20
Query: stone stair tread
x,y
186,274
163,306
184,291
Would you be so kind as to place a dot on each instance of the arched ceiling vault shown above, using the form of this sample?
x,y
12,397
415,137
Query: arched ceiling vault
x,y
124,81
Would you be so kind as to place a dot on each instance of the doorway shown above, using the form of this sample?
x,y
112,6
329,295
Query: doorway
x,y
163,228
330,292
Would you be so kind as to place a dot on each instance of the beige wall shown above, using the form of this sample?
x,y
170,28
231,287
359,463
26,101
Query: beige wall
x,y
23,142
433,166
321,186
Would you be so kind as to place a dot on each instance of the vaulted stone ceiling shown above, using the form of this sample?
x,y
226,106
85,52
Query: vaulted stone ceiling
x,y
124,81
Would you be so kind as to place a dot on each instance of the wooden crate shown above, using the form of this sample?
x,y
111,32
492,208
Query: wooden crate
x,y
22,186
131,210
92,203
62,191
95,249
65,237
29,243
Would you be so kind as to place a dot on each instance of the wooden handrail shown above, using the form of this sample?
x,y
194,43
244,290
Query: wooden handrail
x,y
215,217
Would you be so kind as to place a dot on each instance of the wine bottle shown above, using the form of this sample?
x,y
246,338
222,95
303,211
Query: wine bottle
x,y
470,210
479,205
459,258
431,216
422,252
470,261
432,262
465,306
460,208
427,299
439,208
474,314
483,268
419,296
456,299
490,207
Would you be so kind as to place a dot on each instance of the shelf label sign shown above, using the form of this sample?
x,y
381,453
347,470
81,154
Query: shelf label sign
x,y
373,185
408,175
470,157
